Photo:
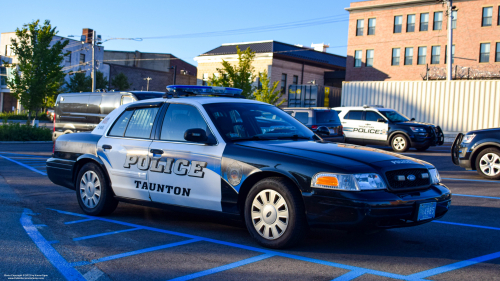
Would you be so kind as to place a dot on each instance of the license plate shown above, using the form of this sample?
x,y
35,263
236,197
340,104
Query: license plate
x,y
426,211
332,131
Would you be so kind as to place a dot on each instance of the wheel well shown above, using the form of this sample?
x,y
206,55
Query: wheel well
x,y
477,152
81,163
252,180
399,133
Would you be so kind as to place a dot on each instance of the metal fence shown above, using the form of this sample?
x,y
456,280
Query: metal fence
x,y
456,106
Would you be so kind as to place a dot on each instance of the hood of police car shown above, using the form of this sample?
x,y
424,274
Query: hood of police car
x,y
333,153
414,123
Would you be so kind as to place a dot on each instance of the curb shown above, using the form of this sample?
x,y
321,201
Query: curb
x,y
26,142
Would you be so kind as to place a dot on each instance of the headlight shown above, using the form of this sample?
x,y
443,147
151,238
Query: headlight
x,y
435,177
418,129
348,182
468,138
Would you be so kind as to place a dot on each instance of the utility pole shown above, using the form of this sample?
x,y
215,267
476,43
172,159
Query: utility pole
x,y
93,60
148,79
449,47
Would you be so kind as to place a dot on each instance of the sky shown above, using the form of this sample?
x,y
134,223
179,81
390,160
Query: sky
x,y
193,27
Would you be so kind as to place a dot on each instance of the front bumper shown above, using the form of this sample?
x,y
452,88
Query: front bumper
x,y
461,153
372,209
434,136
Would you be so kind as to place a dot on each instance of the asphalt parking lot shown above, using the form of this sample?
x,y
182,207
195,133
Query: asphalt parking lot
x,y
45,235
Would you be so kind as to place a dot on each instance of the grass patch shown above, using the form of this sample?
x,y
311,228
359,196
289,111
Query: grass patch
x,y
18,132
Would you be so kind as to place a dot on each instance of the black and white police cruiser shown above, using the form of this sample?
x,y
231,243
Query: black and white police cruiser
x,y
376,125
203,149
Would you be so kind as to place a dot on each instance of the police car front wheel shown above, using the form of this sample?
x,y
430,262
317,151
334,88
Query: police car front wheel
x,y
93,192
400,143
275,214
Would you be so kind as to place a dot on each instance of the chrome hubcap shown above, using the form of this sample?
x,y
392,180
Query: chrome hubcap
x,y
399,143
490,164
270,214
90,189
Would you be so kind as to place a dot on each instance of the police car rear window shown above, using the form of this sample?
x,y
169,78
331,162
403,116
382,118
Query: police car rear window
x,y
354,115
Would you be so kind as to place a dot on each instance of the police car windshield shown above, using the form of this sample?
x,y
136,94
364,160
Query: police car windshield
x,y
247,121
394,116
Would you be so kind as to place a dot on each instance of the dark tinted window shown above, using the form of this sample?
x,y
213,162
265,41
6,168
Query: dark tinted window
x,y
395,116
354,115
327,116
145,95
303,117
141,123
119,127
372,116
178,119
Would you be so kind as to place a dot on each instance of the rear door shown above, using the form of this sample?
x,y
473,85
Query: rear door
x,y
375,131
354,126
185,173
125,147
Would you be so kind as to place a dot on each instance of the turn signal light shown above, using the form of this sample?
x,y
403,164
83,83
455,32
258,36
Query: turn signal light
x,y
328,181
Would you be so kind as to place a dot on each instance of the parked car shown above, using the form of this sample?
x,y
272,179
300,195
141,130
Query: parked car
x,y
478,150
376,125
203,150
322,121
81,112
50,114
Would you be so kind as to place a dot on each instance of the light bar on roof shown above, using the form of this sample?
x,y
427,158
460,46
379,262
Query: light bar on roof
x,y
204,90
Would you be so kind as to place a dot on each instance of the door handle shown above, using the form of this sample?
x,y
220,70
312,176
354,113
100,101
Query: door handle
x,y
106,146
156,151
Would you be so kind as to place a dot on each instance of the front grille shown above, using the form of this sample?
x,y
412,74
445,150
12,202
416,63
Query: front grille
x,y
395,183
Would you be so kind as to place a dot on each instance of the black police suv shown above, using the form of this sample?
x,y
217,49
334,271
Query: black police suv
x,y
478,150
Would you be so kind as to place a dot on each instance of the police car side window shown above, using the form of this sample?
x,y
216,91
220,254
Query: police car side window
x,y
178,119
303,117
372,116
141,123
354,115
120,125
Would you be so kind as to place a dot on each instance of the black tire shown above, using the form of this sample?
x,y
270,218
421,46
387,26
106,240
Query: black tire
x,y
106,203
494,155
296,223
424,148
396,142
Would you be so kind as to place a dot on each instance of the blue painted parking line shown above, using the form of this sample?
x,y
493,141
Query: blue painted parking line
x,y
468,225
478,196
350,276
455,266
222,268
79,221
39,225
128,254
24,165
17,154
104,234
53,241
48,251
452,179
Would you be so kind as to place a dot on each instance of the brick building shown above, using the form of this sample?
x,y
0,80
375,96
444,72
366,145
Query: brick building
x,y
395,40
289,64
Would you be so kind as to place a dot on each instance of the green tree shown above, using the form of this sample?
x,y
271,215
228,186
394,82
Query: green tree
x,y
79,82
39,72
268,92
239,76
120,82
101,81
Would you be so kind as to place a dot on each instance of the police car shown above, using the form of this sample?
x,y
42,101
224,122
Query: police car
x,y
205,150
376,125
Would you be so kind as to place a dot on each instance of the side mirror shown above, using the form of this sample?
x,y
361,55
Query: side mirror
x,y
413,119
381,120
323,131
196,135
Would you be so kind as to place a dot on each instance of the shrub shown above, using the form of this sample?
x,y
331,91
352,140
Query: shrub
x,y
22,116
18,132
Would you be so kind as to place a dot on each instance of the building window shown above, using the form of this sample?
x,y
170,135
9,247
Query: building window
x,y
68,58
422,55
204,79
398,24
283,83
497,57
357,58
410,23
359,27
435,54
409,56
82,58
396,53
452,54
438,21
454,20
295,80
3,76
485,52
498,21
424,22
371,26
369,58
487,16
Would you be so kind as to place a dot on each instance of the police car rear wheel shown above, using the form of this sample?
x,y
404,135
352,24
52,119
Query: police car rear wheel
x,y
93,192
488,163
400,143
274,213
